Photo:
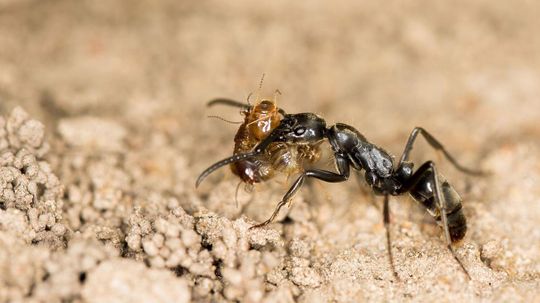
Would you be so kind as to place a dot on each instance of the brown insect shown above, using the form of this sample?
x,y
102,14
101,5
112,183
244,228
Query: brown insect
x,y
280,157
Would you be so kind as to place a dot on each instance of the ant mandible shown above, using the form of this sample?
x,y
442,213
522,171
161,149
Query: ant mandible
x,y
352,149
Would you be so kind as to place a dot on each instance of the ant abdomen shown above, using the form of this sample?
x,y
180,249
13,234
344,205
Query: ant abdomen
x,y
423,193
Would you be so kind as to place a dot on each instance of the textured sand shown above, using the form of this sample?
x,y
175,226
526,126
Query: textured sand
x,y
103,132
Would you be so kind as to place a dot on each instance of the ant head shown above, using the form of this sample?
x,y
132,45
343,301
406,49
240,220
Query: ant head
x,y
304,128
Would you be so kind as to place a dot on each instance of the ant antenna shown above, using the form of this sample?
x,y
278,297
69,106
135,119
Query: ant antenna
x,y
225,120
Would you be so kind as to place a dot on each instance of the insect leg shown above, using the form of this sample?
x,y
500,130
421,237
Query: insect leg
x,y
442,204
386,218
437,146
364,189
324,175
439,200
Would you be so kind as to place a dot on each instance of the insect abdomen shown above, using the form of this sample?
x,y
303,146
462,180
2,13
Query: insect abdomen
x,y
423,193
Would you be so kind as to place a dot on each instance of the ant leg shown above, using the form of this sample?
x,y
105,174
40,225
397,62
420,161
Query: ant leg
x,y
442,204
437,146
272,217
386,218
324,175
362,184
439,200
313,192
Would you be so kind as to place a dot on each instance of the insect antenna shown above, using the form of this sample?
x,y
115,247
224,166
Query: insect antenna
x,y
258,96
248,98
255,121
224,120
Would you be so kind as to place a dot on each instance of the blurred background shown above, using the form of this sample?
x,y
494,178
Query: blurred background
x,y
469,68
468,71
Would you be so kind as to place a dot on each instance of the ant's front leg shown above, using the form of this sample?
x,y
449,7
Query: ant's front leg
x,y
324,175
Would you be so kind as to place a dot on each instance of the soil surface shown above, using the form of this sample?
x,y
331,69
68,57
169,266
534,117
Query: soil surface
x,y
104,130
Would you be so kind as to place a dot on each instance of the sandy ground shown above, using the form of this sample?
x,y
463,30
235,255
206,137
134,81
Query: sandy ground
x,y
103,131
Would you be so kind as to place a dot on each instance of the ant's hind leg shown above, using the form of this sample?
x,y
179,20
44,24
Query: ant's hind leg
x,y
440,202
437,146
386,218
324,175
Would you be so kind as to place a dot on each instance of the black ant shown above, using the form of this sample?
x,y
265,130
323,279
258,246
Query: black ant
x,y
352,149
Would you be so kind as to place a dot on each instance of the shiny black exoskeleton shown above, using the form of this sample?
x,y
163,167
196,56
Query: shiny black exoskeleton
x,y
352,149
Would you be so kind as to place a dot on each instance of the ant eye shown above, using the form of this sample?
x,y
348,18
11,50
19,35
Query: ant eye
x,y
299,131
